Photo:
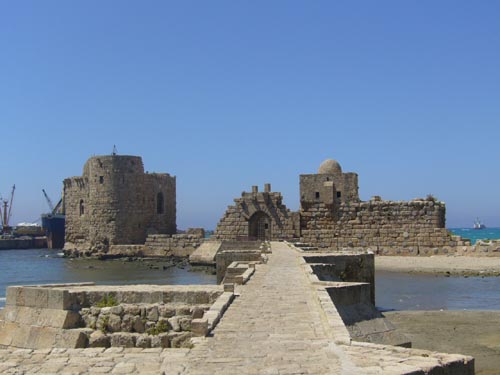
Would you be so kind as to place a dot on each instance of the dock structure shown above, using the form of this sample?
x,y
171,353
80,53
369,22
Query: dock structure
x,y
282,321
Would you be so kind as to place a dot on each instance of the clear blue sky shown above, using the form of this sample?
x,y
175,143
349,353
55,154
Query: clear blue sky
x,y
229,94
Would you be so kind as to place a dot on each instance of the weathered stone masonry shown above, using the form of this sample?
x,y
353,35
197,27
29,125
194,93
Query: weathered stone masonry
x,y
114,202
333,217
258,216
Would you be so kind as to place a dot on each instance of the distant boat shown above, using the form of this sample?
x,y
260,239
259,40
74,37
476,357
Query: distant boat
x,y
478,224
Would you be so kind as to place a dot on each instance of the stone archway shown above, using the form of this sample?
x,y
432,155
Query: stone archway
x,y
259,226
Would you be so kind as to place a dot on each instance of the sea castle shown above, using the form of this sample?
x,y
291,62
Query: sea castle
x,y
115,208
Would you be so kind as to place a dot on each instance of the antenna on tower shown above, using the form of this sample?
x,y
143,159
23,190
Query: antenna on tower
x,y
114,150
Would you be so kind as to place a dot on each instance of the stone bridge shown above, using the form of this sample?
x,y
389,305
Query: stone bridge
x,y
281,322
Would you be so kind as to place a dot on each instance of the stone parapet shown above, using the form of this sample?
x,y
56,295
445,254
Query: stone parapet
x,y
82,315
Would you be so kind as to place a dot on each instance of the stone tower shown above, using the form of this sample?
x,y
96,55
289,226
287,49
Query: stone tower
x,y
321,196
115,202
330,185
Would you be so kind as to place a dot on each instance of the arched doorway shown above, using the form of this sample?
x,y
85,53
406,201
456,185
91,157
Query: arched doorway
x,y
259,227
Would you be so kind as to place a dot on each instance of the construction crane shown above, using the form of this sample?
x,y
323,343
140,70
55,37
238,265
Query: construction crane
x,y
7,211
49,202
53,209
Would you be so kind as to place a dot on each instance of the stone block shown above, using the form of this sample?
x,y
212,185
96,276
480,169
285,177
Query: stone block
x,y
35,337
117,310
126,340
152,313
197,313
185,323
166,311
199,327
99,340
127,323
15,296
143,341
180,340
174,324
72,338
36,297
229,288
114,323
6,333
58,299
138,324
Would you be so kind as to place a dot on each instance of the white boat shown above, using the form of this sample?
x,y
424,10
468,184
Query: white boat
x,y
478,224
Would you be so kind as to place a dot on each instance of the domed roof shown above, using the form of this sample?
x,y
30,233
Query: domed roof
x,y
330,166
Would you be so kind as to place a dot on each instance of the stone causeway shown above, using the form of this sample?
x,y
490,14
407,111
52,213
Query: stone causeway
x,y
282,321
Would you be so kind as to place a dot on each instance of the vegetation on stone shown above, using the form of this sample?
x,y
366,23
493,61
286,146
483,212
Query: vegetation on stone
x,y
107,301
160,327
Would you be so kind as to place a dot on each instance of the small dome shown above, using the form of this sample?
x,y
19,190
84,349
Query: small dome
x,y
330,166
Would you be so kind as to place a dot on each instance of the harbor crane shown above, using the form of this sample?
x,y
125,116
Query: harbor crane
x,y
7,211
49,202
53,209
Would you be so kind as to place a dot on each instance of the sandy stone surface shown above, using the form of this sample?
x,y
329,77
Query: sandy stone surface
x,y
474,333
454,265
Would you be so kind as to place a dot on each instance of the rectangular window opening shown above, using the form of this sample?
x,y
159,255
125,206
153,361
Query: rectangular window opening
x,y
317,195
339,194
101,179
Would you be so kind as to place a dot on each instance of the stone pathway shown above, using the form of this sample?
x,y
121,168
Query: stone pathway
x,y
274,327
83,361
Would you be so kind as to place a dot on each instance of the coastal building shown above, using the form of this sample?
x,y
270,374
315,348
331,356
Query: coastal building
x,y
332,216
115,202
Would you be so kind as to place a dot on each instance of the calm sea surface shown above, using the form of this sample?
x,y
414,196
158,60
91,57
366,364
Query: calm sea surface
x,y
398,291
23,267
402,291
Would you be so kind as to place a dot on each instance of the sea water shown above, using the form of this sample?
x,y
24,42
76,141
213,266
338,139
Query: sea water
x,y
477,234
404,291
42,266
394,290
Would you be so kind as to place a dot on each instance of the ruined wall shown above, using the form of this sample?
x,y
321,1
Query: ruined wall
x,y
258,216
115,202
376,224
332,216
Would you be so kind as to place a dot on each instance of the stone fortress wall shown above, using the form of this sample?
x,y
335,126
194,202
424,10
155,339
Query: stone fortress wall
x,y
332,217
114,202
258,216
115,209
